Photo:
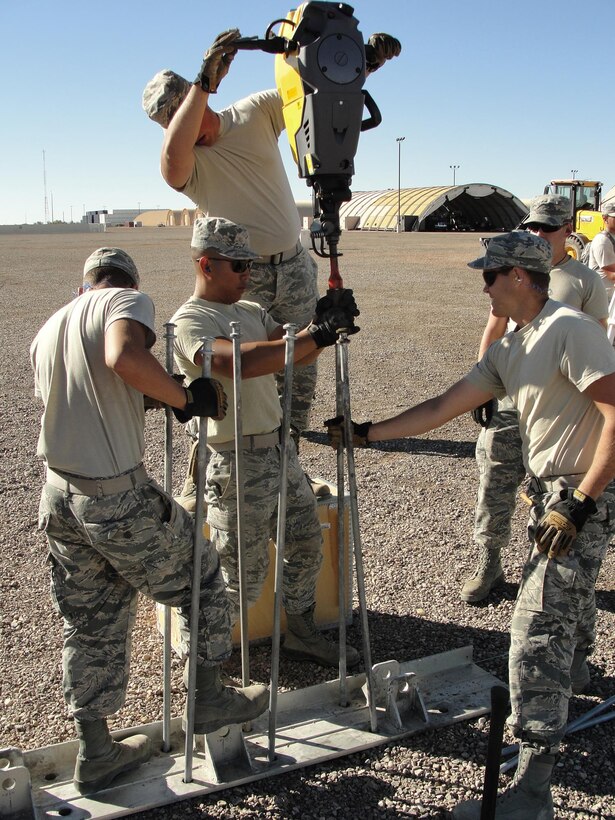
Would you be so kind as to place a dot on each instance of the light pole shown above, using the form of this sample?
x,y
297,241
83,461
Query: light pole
x,y
574,172
454,169
399,141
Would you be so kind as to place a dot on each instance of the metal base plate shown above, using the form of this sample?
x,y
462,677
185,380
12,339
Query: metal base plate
x,y
311,728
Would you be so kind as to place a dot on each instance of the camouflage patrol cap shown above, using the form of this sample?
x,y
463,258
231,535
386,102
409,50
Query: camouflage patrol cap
x,y
163,95
112,258
223,236
550,209
516,249
608,208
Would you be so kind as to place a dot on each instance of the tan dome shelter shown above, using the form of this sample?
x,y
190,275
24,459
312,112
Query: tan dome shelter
x,y
474,207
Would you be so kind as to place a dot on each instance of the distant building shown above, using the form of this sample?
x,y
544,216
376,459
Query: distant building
x,y
115,218
473,207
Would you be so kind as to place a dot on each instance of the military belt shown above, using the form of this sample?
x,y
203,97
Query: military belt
x,y
264,441
78,485
278,258
553,484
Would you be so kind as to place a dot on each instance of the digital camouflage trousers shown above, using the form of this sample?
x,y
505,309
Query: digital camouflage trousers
x,y
499,458
103,551
303,543
289,292
554,614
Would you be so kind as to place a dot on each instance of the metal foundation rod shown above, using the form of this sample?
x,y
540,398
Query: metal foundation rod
x,y
342,565
344,387
239,483
280,541
169,336
197,554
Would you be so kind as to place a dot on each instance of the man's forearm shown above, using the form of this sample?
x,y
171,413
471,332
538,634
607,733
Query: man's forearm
x,y
177,159
144,372
430,414
494,329
602,470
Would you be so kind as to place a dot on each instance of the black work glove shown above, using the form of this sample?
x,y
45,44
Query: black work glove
x,y
325,331
206,397
335,431
217,61
380,48
155,404
336,298
484,413
558,528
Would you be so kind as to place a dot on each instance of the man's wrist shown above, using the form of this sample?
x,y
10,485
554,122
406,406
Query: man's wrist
x,y
203,84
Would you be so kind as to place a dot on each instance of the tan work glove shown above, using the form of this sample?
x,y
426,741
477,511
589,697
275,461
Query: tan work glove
x,y
217,61
380,48
559,527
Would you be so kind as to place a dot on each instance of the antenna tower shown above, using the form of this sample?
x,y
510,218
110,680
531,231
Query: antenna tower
x,y
46,217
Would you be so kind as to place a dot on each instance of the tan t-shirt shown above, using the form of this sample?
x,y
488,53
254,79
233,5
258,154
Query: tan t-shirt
x,y
574,284
261,409
242,178
93,421
544,367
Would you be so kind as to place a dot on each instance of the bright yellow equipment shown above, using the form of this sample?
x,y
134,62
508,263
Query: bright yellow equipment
x,y
585,198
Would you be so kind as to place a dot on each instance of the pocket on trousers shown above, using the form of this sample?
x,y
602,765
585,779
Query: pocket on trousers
x,y
546,582
220,491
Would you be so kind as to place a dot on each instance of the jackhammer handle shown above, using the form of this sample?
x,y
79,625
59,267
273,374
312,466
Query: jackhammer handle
x,y
499,708
375,117
272,45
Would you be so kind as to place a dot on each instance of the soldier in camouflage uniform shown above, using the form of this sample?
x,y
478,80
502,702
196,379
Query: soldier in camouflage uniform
x,y
229,164
558,369
112,531
222,258
499,449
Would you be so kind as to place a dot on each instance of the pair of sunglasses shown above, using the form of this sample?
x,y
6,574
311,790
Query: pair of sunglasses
x,y
491,275
538,226
237,265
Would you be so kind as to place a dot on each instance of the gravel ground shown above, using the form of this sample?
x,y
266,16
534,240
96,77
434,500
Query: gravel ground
x,y
421,320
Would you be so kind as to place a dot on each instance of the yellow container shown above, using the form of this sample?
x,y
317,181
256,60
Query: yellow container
x,y
260,616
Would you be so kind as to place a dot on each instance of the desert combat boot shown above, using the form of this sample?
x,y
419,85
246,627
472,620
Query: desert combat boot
x,y
101,759
488,574
303,642
528,796
579,672
217,705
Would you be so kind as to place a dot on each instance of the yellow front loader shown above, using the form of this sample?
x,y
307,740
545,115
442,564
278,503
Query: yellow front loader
x,y
585,197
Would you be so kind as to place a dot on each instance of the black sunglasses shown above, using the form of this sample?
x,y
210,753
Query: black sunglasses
x,y
237,265
491,275
538,226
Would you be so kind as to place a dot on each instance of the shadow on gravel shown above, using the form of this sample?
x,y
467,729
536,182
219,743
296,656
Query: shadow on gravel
x,y
402,637
418,446
605,599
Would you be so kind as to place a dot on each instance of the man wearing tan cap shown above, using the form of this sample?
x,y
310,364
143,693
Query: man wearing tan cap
x,y
112,531
602,249
229,163
558,368
498,449
222,259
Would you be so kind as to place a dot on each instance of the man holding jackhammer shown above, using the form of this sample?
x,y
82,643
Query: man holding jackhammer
x,y
499,453
558,368
222,259
229,164
112,531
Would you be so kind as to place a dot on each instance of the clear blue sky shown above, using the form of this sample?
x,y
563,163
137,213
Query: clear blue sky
x,y
515,94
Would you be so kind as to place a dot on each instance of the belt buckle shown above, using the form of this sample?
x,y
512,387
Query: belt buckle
x,y
277,258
